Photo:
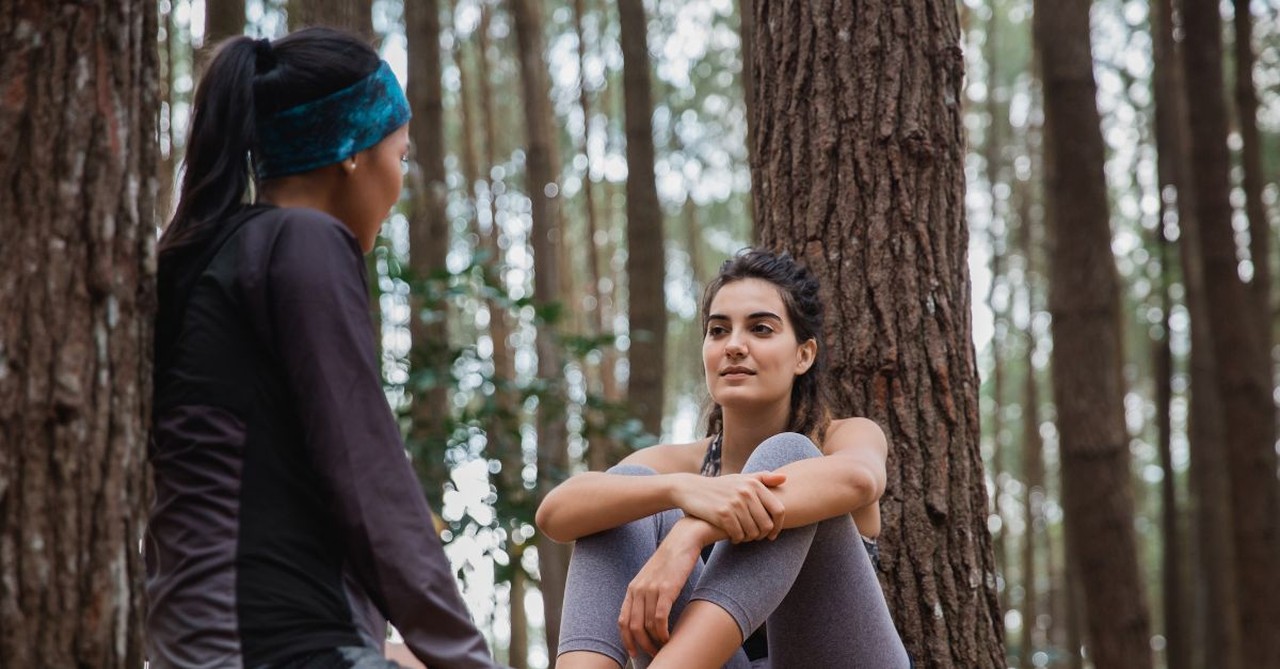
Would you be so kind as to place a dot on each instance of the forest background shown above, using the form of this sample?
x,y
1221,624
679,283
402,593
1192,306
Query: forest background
x,y
1104,270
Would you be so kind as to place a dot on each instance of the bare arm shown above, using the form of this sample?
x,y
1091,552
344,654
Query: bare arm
x,y
849,477
742,505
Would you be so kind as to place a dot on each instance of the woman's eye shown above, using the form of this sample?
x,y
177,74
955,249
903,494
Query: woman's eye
x,y
761,328
715,331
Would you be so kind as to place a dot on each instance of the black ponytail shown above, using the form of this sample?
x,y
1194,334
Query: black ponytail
x,y
247,79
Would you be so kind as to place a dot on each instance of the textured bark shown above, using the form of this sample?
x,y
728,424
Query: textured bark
x,y
1088,388
541,171
428,246
78,109
503,431
222,19
858,170
353,15
1254,179
646,265
1166,82
1243,365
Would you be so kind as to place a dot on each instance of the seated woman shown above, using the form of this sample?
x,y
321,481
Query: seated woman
x,y
779,488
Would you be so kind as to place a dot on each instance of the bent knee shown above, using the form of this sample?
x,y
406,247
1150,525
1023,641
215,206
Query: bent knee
x,y
780,450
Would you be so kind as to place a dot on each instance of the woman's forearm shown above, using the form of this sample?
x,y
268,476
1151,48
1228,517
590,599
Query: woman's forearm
x,y
595,501
822,488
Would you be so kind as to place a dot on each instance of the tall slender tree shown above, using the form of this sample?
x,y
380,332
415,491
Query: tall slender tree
x,y
1243,364
1084,300
1246,97
222,19
646,264
542,170
77,293
857,166
1170,115
503,431
353,15
428,247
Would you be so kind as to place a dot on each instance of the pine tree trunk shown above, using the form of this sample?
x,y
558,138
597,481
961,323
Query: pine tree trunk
x,y
646,264
542,170
352,15
1032,455
428,246
858,170
503,429
222,19
1000,328
600,449
747,29
1084,300
1254,179
77,296
1243,364
1166,82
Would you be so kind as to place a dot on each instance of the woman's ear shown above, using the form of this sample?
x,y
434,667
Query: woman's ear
x,y
806,355
348,166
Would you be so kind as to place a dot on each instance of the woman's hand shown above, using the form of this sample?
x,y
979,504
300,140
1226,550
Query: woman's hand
x,y
644,619
740,504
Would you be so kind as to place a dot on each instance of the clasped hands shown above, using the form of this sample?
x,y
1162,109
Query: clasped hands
x,y
741,507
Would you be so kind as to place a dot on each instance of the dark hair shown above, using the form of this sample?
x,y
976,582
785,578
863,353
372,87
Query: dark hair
x,y
810,413
248,79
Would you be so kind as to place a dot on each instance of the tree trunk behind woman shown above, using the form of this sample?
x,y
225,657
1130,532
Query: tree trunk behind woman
x,y
542,169
1088,386
77,293
428,246
1243,364
646,265
1170,130
222,19
857,169
353,15
503,428
1254,179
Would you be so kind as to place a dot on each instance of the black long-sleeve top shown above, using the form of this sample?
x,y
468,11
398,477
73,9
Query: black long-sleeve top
x,y
287,518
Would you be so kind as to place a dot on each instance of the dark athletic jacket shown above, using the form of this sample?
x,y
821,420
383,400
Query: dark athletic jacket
x,y
286,516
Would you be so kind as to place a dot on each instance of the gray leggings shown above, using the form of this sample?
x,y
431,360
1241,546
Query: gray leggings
x,y
814,585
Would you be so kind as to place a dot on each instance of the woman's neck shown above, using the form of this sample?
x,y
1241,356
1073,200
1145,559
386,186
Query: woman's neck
x,y
744,428
312,191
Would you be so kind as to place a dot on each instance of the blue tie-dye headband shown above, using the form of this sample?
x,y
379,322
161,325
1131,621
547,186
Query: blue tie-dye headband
x,y
331,129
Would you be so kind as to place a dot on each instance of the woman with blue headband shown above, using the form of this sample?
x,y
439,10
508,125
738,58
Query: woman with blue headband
x,y
287,526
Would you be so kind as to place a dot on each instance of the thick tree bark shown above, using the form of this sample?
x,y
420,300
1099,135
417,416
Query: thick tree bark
x,y
503,430
646,264
1084,300
78,110
1243,364
1169,119
541,172
858,170
428,246
222,19
1254,179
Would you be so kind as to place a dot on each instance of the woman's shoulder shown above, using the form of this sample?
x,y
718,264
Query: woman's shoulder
x,y
854,430
671,458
